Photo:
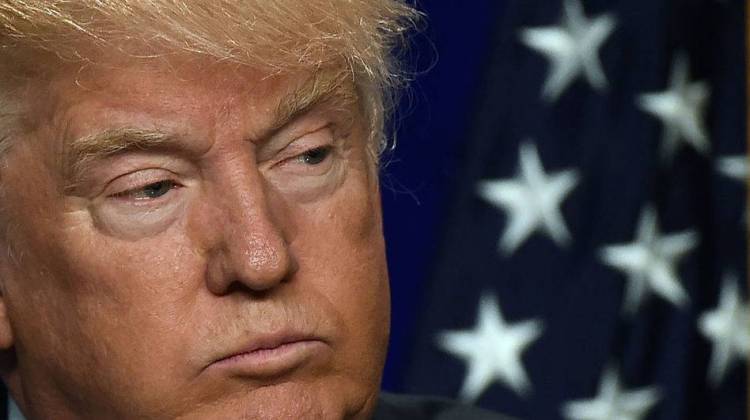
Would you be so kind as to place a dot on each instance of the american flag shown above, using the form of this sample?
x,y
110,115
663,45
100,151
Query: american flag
x,y
592,263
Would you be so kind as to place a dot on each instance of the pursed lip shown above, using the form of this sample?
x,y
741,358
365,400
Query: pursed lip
x,y
271,355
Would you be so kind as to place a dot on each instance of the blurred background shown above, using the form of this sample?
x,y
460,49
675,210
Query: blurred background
x,y
564,210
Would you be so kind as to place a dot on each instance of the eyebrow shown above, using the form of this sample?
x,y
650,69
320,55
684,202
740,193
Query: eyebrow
x,y
320,88
83,151
336,89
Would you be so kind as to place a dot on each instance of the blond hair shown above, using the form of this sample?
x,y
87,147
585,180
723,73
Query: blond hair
x,y
274,35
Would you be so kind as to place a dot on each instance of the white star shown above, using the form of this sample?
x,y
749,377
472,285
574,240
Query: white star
x,y
680,108
492,350
572,48
613,403
650,262
735,167
728,328
531,200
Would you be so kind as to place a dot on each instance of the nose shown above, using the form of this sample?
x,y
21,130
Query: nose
x,y
254,253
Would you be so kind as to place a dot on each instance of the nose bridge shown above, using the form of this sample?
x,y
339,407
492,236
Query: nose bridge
x,y
255,251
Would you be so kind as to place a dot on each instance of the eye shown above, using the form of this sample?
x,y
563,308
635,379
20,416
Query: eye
x,y
315,156
149,192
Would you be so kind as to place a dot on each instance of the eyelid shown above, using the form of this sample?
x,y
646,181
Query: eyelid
x,y
300,128
313,139
102,176
136,179
130,194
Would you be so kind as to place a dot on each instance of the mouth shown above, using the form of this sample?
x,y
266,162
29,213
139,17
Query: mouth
x,y
271,356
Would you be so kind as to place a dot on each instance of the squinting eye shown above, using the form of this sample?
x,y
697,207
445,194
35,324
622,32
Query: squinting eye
x,y
315,156
150,191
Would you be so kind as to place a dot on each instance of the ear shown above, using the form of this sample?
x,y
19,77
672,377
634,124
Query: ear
x,y
8,360
9,260
6,331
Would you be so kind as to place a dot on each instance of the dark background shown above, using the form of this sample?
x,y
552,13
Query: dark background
x,y
439,233
435,115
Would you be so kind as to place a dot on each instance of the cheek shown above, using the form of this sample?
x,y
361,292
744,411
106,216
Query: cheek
x,y
135,289
106,307
344,237
341,250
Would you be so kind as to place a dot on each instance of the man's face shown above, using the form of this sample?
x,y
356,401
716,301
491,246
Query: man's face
x,y
189,241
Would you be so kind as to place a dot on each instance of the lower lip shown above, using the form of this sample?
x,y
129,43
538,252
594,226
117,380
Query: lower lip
x,y
272,362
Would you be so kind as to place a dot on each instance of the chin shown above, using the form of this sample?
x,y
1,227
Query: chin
x,y
291,400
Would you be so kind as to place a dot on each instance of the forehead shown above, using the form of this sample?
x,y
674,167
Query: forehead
x,y
107,95
187,97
